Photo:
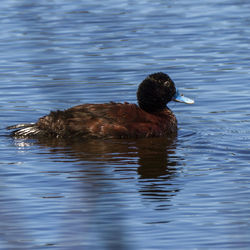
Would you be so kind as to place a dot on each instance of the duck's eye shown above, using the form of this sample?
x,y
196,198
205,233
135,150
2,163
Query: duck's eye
x,y
166,84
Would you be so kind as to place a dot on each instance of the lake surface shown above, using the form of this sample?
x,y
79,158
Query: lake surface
x,y
191,192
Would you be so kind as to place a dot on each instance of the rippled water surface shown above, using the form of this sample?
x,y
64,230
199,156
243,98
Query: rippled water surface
x,y
191,192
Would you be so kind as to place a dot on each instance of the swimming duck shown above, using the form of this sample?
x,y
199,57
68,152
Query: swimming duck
x,y
150,118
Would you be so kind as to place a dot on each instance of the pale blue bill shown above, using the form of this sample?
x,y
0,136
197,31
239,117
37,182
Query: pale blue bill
x,y
181,98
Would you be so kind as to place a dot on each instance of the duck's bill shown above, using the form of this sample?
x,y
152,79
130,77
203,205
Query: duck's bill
x,y
181,98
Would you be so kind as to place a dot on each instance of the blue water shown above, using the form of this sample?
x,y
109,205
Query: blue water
x,y
188,193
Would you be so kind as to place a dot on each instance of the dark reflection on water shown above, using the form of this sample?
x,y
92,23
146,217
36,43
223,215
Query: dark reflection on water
x,y
148,157
92,194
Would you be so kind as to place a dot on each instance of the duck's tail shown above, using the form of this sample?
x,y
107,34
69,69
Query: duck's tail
x,y
24,130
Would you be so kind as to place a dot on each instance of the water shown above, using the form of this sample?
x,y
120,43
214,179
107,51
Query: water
x,y
188,193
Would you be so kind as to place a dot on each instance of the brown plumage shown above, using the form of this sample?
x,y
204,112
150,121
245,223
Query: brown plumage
x,y
115,120
112,120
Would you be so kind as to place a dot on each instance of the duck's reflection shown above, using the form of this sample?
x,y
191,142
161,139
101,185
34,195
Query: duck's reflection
x,y
157,169
109,176
153,159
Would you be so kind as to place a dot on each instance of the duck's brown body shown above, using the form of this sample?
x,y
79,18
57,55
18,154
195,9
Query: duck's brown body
x,y
109,120
152,118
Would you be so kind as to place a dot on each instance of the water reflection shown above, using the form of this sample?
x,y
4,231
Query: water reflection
x,y
153,159
101,181
151,154
157,168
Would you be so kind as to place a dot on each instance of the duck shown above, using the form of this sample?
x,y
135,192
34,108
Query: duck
x,y
150,118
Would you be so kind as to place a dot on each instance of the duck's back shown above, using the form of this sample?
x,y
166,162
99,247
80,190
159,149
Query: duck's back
x,y
109,120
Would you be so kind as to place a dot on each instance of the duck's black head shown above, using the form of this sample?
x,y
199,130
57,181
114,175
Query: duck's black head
x,y
155,92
